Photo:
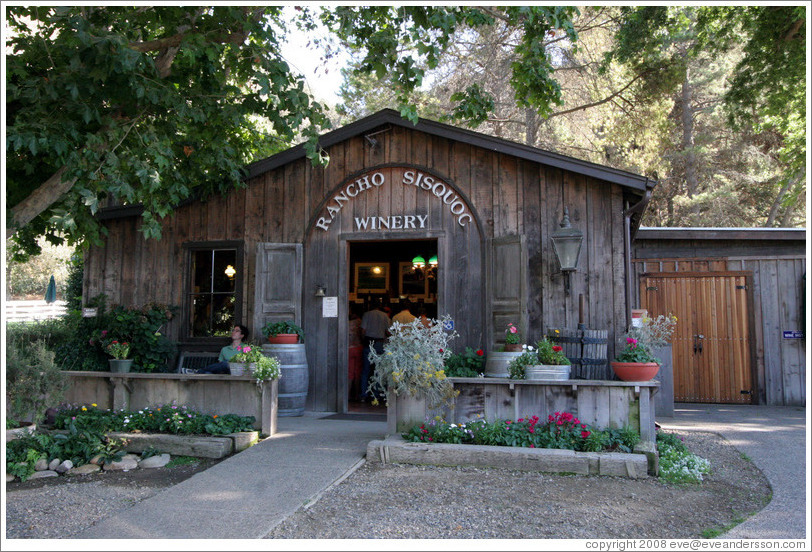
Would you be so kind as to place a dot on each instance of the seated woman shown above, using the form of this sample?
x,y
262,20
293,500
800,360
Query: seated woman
x,y
238,335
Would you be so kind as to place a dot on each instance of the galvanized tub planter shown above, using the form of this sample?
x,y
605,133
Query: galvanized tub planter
x,y
293,378
551,372
496,363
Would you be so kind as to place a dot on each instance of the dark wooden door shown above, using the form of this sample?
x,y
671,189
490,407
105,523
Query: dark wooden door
x,y
507,286
711,343
278,285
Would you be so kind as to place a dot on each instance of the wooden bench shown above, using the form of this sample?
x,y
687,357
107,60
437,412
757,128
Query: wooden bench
x,y
196,359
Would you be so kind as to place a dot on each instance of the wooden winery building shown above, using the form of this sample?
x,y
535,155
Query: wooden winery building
x,y
317,244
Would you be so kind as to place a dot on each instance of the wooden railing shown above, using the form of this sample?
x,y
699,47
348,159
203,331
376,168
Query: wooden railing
x,y
17,311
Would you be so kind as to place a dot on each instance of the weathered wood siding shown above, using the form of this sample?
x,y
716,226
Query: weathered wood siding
x,y
777,270
508,196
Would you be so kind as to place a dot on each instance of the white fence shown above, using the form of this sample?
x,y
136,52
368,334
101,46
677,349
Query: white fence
x,y
17,311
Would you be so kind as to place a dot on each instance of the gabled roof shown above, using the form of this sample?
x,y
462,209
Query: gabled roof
x,y
392,117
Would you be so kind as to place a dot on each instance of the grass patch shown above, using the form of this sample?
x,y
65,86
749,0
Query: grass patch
x,y
182,461
714,532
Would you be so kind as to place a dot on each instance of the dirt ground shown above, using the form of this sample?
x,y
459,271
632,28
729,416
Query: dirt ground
x,y
399,501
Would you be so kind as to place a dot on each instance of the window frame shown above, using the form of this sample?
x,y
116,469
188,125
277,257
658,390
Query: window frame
x,y
189,248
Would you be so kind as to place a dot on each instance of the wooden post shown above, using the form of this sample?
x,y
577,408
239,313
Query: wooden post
x,y
121,393
270,406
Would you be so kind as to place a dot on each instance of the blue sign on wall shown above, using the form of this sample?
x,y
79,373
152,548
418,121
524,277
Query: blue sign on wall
x,y
448,325
793,334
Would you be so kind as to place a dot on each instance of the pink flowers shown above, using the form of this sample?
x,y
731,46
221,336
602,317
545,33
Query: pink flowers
x,y
512,329
632,342
584,434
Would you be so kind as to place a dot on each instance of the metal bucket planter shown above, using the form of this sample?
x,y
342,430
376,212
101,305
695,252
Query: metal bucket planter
x,y
496,364
554,372
120,365
241,368
293,379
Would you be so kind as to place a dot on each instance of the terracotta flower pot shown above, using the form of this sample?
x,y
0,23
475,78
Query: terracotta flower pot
x,y
284,339
635,371
513,347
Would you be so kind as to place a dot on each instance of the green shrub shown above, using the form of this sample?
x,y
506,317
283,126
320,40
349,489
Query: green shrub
x,y
140,327
75,282
677,464
33,380
465,365
77,445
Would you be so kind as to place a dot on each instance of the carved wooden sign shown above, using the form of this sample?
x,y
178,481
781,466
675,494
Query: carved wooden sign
x,y
371,183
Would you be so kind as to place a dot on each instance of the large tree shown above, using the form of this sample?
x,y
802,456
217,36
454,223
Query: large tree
x,y
140,105
146,105
677,50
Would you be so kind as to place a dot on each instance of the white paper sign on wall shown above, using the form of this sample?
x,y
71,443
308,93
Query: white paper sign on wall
x,y
329,307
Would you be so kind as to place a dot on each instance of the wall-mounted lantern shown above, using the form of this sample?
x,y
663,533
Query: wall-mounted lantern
x,y
567,245
321,291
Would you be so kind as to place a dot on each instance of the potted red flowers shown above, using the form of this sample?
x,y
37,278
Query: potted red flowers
x,y
635,362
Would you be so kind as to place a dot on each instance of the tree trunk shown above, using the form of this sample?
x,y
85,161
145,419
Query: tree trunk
x,y
531,127
40,199
776,205
686,99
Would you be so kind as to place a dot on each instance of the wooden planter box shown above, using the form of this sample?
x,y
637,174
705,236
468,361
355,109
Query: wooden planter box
x,y
205,393
599,403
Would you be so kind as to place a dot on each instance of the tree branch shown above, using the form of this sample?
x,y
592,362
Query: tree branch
x,y
599,102
40,199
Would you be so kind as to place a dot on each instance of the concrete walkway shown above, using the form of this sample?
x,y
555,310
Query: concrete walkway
x,y
774,438
248,495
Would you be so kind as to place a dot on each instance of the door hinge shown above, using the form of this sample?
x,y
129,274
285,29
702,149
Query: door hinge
x,y
741,287
651,288
745,392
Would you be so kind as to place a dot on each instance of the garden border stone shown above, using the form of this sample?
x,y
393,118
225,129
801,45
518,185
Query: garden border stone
x,y
395,449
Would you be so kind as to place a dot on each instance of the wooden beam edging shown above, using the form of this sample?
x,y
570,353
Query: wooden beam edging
x,y
394,449
205,393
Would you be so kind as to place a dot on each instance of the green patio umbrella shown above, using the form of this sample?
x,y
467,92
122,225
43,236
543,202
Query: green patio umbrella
x,y
50,293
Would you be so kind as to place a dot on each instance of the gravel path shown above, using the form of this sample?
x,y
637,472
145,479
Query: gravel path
x,y
398,501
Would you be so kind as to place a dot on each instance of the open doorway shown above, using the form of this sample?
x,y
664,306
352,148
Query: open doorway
x,y
398,274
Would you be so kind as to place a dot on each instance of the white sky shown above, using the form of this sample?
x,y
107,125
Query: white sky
x,y
323,77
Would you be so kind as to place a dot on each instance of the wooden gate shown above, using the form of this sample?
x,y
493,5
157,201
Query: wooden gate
x,y
711,344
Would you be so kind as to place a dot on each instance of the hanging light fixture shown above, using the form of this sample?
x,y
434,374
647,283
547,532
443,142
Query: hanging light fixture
x,y
418,262
230,272
433,261
567,246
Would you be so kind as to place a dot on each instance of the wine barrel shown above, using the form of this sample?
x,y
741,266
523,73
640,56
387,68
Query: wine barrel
x,y
586,350
293,379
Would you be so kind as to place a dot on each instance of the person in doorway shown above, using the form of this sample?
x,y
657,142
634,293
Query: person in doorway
x,y
405,315
421,314
238,334
374,327
356,348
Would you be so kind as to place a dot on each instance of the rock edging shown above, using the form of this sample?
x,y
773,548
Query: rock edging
x,y
394,449
177,445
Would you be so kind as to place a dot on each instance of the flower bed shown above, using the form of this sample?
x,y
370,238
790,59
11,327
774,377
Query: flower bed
x,y
562,430
172,419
